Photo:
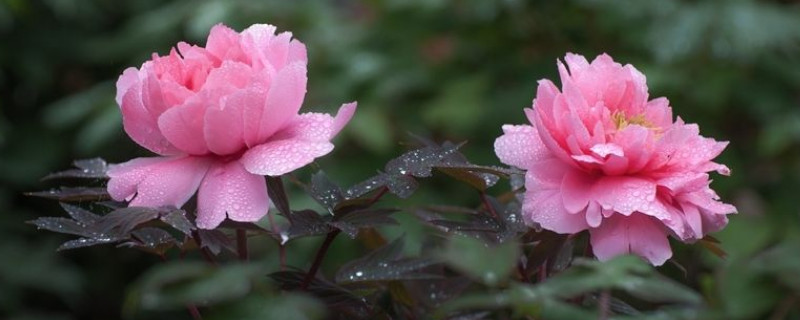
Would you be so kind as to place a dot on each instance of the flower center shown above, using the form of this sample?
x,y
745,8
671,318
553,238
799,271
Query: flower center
x,y
621,121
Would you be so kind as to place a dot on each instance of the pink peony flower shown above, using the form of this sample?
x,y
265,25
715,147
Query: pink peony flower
x,y
601,156
220,118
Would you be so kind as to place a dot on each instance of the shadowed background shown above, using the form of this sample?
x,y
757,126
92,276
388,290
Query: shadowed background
x,y
445,69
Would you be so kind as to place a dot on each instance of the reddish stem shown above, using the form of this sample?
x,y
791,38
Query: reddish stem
x,y
323,249
281,247
488,206
241,244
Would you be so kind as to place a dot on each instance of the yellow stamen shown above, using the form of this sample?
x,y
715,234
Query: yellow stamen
x,y
620,121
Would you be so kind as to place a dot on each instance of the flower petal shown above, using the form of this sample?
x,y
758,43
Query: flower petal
x,y
125,177
520,146
142,126
283,101
228,188
171,182
546,208
183,126
275,158
637,234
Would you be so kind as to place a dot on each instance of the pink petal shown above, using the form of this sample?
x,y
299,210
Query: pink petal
x,y
605,149
283,101
545,208
577,190
141,126
126,80
170,183
275,158
183,126
224,125
520,146
637,234
125,177
229,189
221,39
297,52
546,174
343,116
255,41
626,195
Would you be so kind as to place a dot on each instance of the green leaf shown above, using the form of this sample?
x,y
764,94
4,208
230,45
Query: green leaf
x,y
176,284
288,306
471,256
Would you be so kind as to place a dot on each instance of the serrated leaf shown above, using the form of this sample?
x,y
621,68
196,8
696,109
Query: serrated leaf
x,y
151,239
177,219
277,193
87,242
351,222
73,194
62,225
80,214
214,240
305,223
325,192
420,162
122,221
369,185
88,169
385,264
401,185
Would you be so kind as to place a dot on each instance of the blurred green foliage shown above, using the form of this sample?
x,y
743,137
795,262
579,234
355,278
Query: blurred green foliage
x,y
447,69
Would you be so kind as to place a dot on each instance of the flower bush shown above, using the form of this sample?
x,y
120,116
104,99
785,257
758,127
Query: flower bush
x,y
599,156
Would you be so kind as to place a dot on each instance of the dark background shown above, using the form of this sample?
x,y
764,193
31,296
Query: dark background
x,y
444,69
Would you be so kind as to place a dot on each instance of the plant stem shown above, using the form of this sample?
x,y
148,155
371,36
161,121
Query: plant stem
x,y
193,311
488,206
241,244
605,297
378,196
323,249
281,247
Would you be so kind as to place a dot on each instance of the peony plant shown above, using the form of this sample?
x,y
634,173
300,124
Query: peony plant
x,y
224,121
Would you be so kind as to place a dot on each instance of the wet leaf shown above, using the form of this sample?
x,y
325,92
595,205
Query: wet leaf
x,y
351,222
151,239
420,162
325,192
177,219
88,168
80,214
62,225
277,193
367,186
385,264
402,186
214,240
87,242
305,223
122,221
73,194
